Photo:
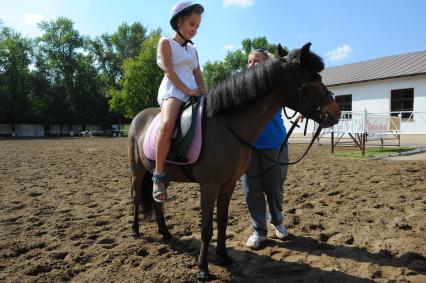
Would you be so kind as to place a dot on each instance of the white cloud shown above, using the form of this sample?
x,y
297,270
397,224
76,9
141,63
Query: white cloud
x,y
228,47
31,18
238,3
341,52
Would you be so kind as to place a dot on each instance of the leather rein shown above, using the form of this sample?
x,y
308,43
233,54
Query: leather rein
x,y
283,144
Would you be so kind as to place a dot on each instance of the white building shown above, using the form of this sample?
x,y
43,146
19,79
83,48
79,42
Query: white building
x,y
388,86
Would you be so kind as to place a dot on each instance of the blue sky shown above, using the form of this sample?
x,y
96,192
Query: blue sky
x,y
341,31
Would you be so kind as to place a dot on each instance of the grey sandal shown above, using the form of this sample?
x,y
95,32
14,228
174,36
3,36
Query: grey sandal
x,y
159,192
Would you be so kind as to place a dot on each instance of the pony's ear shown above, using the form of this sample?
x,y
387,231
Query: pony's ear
x,y
281,51
304,53
306,47
310,60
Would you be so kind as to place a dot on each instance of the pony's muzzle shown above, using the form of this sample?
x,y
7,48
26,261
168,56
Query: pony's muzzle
x,y
327,120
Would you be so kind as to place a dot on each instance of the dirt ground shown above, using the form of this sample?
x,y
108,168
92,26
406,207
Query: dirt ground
x,y
65,215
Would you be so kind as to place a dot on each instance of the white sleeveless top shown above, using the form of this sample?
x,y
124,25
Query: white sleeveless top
x,y
185,61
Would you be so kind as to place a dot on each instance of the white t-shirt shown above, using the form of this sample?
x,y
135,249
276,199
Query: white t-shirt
x,y
185,61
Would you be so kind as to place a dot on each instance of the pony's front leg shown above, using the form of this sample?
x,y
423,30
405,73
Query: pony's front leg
x,y
208,196
222,205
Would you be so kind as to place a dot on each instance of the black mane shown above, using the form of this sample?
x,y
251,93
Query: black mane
x,y
241,89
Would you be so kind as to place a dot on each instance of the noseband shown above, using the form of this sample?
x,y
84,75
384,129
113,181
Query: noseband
x,y
318,104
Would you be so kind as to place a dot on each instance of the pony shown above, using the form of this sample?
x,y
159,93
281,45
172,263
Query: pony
x,y
241,105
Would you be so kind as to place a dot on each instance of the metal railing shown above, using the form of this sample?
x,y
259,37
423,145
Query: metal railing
x,y
380,122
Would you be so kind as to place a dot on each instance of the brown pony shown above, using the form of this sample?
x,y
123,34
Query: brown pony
x,y
244,104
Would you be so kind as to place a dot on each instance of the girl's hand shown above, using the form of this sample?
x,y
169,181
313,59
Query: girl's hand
x,y
202,89
194,92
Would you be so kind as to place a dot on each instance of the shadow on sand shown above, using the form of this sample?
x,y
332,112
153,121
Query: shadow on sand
x,y
250,266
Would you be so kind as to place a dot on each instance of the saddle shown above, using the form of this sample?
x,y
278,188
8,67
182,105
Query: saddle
x,y
185,130
186,138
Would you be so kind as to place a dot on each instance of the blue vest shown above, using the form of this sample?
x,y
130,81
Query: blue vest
x,y
273,134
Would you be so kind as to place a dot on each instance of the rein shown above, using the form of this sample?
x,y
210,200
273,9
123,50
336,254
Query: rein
x,y
303,90
287,116
284,142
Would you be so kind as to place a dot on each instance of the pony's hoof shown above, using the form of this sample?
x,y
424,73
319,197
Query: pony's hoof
x,y
203,276
167,236
135,234
225,259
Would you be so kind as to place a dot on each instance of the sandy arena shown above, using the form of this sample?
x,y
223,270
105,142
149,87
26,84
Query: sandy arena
x,y
65,215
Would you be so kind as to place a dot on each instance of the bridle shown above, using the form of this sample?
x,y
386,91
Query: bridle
x,y
305,90
317,104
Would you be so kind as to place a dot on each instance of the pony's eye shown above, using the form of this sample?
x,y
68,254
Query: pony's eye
x,y
314,77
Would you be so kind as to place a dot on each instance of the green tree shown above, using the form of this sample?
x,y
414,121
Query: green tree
x,y
89,103
235,61
140,82
128,40
15,58
42,94
107,61
110,51
215,72
59,46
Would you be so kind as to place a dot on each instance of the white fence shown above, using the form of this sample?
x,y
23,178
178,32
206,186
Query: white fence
x,y
380,123
414,124
364,122
360,128
22,130
39,130
353,122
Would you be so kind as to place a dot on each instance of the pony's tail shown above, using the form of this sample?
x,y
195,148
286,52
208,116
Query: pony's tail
x,y
147,201
131,153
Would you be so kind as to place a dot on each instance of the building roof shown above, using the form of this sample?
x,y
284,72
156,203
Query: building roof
x,y
409,64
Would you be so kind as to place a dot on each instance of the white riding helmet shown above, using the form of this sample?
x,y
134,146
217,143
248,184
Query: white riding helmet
x,y
180,8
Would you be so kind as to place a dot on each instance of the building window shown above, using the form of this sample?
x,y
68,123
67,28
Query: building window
x,y
402,101
345,103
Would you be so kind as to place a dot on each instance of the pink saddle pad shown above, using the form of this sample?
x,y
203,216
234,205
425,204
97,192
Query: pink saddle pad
x,y
150,140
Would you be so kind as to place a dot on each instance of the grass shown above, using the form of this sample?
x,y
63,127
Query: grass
x,y
126,130
370,152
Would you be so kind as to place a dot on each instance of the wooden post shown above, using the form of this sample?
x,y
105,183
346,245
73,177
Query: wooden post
x,y
364,131
364,138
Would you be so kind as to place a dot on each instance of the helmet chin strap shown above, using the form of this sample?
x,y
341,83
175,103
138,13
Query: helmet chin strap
x,y
185,40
